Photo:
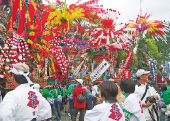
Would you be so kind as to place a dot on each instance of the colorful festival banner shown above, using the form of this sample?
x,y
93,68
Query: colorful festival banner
x,y
101,68
153,71
128,58
126,73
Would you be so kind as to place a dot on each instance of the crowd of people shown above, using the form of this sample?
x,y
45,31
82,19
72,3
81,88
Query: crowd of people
x,y
113,100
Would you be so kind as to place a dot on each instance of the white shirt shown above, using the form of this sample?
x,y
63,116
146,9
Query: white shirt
x,y
94,90
23,104
132,108
0,97
150,92
105,112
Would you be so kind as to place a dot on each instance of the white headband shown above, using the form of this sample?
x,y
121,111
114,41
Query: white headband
x,y
16,72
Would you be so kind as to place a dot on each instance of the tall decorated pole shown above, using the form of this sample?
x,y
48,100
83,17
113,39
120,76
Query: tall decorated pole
x,y
140,32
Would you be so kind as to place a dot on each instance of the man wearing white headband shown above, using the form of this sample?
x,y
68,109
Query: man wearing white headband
x,y
23,103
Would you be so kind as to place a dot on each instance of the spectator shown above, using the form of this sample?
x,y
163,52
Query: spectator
x,y
58,101
109,110
145,91
95,93
23,103
165,99
167,82
50,94
85,85
79,106
69,93
120,96
89,99
132,106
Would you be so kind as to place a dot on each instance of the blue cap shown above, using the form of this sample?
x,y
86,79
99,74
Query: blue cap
x,y
72,79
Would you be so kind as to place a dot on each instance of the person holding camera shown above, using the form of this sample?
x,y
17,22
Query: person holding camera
x,y
147,94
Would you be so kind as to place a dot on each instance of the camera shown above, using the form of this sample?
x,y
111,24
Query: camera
x,y
151,100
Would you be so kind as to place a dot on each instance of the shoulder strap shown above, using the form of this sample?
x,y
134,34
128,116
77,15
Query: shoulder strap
x,y
138,84
147,86
81,90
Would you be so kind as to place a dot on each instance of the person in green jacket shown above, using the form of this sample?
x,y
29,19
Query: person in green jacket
x,y
49,93
58,101
165,97
69,93
167,83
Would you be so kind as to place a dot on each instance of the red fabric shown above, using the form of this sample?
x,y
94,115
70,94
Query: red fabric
x,y
159,79
128,58
31,14
126,73
76,91
22,20
14,13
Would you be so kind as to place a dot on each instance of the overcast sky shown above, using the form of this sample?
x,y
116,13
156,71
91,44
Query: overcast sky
x,y
129,9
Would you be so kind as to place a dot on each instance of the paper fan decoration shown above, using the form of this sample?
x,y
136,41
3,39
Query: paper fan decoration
x,y
156,28
109,33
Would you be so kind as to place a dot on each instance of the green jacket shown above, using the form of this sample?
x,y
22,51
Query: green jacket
x,y
60,92
168,90
87,91
165,97
70,89
49,93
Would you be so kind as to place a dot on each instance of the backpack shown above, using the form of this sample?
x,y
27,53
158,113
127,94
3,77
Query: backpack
x,y
80,97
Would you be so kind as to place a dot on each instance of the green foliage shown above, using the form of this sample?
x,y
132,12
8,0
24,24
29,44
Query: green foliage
x,y
122,56
163,48
153,49
38,1
141,49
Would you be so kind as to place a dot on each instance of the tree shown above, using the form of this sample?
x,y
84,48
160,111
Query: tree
x,y
163,48
141,50
153,51
38,1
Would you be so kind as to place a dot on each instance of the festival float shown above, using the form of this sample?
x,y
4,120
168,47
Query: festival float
x,y
59,43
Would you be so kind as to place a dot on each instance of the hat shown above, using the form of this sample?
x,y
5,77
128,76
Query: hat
x,y
72,79
141,72
80,81
36,87
20,67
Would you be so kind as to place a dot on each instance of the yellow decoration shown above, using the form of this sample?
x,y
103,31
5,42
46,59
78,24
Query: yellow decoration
x,y
34,5
29,41
28,15
32,33
20,4
32,27
38,57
